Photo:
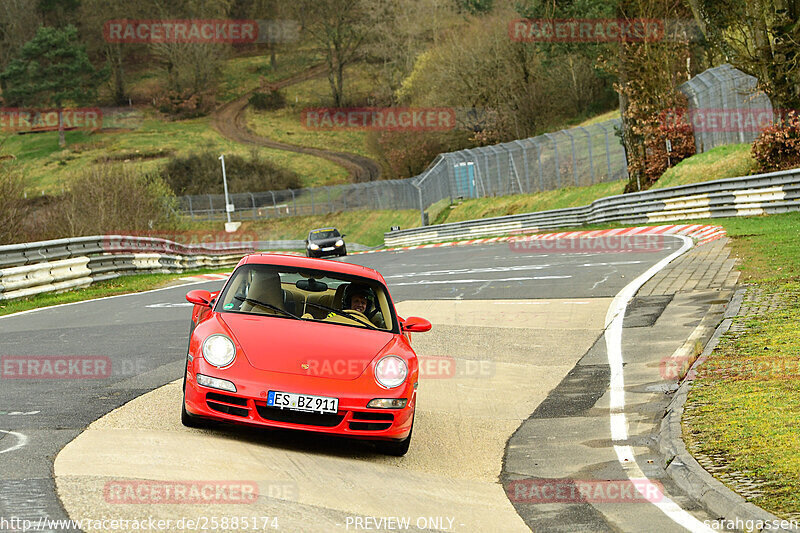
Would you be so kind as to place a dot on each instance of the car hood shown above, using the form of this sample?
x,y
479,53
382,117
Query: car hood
x,y
326,242
306,348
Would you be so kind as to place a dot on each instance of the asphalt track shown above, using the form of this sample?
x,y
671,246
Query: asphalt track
x,y
516,323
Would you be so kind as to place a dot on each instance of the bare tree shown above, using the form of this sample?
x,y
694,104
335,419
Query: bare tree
x,y
340,28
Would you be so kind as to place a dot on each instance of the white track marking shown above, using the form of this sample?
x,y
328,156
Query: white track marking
x,y
22,440
105,298
618,421
451,281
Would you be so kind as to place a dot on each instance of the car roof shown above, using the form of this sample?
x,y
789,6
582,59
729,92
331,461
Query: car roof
x,y
316,264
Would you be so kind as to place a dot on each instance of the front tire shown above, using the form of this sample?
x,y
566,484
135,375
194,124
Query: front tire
x,y
396,448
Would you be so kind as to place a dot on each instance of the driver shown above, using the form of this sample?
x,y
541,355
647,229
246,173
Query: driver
x,y
359,298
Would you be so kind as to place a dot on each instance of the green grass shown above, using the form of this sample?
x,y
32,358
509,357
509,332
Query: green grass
x,y
729,161
242,74
363,227
121,285
285,125
745,403
48,168
526,203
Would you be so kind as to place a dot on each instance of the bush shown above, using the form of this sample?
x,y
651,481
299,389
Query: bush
x,y
407,154
13,210
267,101
669,125
778,147
202,174
185,104
113,198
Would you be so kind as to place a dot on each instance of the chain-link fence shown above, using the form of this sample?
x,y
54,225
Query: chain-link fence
x,y
726,107
385,194
575,157
568,158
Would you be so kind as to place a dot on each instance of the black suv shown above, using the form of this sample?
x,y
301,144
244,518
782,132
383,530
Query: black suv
x,y
325,241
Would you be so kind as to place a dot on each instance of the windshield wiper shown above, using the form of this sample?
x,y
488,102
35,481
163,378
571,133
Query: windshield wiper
x,y
344,314
268,306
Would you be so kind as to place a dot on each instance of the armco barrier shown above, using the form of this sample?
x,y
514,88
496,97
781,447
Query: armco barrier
x,y
776,192
62,264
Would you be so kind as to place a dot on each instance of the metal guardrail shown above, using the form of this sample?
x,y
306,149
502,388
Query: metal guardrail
x,y
63,264
776,192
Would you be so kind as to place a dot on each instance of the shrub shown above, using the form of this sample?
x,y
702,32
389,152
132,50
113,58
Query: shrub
x,y
202,174
13,210
185,104
112,198
669,125
407,154
267,101
778,147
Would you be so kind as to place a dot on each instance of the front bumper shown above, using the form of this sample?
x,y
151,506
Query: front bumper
x,y
248,405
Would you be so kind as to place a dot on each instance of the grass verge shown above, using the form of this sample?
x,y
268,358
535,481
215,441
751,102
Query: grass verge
x,y
112,287
744,407
730,161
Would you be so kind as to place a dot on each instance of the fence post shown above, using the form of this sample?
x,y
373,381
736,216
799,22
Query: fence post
x,y
294,202
608,152
574,157
191,211
589,144
421,205
525,166
555,150
253,202
211,207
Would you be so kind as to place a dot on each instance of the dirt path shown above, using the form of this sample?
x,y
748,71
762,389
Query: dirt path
x,y
229,121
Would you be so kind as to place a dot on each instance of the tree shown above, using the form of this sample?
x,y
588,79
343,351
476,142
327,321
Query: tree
x,y
759,37
18,23
340,28
52,69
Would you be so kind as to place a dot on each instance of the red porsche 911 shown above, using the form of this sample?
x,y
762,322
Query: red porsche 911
x,y
299,343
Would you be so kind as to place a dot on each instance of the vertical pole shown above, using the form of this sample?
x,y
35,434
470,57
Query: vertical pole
x,y
274,204
225,186
589,144
253,203
294,202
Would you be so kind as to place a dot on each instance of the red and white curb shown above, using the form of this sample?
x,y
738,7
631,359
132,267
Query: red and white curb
x,y
206,277
702,233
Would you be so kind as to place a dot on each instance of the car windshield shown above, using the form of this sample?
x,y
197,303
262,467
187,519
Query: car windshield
x,y
324,234
314,295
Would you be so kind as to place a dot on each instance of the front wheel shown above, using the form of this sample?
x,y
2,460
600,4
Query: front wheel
x,y
397,448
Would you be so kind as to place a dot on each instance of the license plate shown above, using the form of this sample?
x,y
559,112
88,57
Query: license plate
x,y
303,402
328,249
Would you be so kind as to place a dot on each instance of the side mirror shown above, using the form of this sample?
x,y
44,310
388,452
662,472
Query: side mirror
x,y
415,324
343,235
199,297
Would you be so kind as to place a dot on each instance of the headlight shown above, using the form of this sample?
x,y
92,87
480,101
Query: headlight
x,y
312,246
387,403
340,242
391,371
219,350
